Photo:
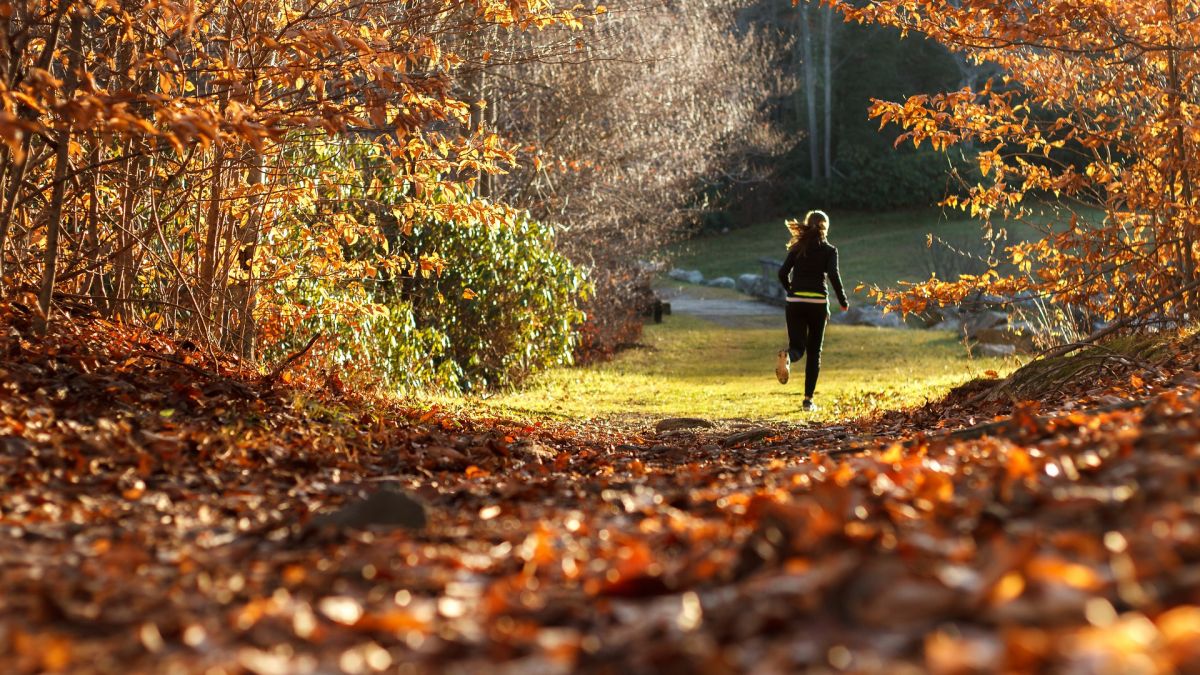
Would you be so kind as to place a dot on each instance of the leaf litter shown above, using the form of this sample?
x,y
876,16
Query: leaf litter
x,y
165,512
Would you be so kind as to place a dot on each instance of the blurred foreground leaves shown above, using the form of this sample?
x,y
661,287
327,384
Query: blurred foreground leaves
x,y
159,512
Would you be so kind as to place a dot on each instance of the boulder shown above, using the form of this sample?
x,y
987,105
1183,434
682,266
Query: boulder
x,y
978,321
389,508
721,282
686,276
868,315
677,423
950,325
937,315
1021,335
996,350
747,283
769,288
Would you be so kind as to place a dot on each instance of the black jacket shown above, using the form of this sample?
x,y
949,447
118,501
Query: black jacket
x,y
804,270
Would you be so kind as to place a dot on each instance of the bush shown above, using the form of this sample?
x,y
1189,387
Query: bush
x,y
878,182
458,304
870,181
507,306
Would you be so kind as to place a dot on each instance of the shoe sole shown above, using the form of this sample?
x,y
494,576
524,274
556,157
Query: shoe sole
x,y
781,367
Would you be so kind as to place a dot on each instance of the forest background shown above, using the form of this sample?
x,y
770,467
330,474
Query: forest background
x,y
451,196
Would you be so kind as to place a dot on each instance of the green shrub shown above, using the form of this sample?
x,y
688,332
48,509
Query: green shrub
x,y
448,305
877,181
507,305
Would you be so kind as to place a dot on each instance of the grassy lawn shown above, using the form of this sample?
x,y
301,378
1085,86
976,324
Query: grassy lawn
x,y
874,248
692,367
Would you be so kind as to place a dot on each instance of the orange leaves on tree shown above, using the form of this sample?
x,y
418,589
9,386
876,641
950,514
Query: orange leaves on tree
x,y
1090,109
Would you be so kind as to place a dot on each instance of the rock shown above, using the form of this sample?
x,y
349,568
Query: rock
x,y
677,423
936,315
949,313
721,282
844,318
387,508
868,315
746,283
988,349
769,288
1027,334
750,435
534,451
951,325
443,456
1027,300
995,336
979,321
1024,327
1017,335
687,276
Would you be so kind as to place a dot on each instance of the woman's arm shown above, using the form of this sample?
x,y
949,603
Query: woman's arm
x,y
788,263
835,278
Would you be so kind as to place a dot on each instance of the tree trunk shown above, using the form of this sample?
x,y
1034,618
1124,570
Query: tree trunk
x,y
828,27
212,238
1181,180
246,289
62,157
214,222
95,276
810,92
22,161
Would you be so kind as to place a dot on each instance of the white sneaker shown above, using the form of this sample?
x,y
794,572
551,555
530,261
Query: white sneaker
x,y
808,405
782,366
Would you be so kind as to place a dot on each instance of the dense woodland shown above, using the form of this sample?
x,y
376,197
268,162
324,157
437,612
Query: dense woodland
x,y
474,191
441,191
471,192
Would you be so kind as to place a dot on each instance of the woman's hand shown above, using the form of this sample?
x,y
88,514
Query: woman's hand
x,y
846,308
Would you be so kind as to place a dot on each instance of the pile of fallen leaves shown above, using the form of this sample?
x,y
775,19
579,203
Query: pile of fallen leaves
x,y
163,509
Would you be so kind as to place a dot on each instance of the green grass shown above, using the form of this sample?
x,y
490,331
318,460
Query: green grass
x,y
691,367
874,248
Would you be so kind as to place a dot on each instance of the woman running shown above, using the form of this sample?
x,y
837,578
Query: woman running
x,y
810,259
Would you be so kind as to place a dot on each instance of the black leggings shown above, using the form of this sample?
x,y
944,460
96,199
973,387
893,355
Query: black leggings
x,y
806,332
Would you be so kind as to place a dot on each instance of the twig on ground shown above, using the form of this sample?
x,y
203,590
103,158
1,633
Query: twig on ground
x,y
277,371
215,377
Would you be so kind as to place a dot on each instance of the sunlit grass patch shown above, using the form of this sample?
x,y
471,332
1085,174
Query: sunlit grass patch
x,y
688,366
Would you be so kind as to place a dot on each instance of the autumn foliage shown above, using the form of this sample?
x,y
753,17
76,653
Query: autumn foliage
x,y
188,164
1096,112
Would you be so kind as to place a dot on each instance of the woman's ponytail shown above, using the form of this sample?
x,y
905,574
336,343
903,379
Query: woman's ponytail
x,y
814,228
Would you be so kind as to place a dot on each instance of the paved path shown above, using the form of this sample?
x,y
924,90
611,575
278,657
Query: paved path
x,y
743,312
